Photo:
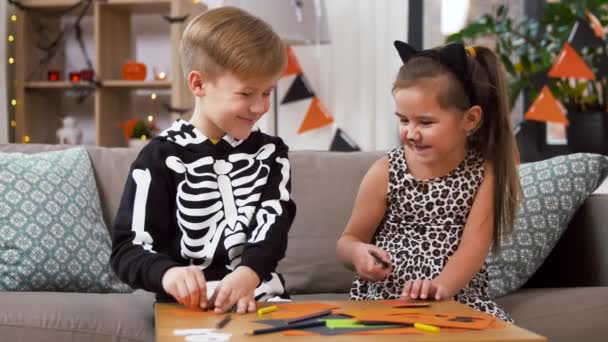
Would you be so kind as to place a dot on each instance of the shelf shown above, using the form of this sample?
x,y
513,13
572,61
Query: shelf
x,y
137,84
56,85
140,7
55,6
113,27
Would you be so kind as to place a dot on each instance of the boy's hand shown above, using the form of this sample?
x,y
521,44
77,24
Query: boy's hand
x,y
187,285
423,289
368,267
236,289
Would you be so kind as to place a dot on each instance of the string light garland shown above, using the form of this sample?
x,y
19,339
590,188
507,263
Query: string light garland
x,y
51,49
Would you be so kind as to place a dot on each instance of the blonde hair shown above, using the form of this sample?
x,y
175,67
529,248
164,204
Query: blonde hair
x,y
228,39
494,137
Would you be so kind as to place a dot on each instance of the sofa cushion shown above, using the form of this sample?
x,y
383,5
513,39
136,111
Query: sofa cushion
x,y
553,191
561,314
52,233
324,186
54,316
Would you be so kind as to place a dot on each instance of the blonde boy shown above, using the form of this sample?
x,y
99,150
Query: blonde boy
x,y
206,209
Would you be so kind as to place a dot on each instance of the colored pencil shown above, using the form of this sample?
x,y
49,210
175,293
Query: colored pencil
x,y
301,325
311,316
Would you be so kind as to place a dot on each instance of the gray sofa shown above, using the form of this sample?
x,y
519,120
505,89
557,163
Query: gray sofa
x,y
566,300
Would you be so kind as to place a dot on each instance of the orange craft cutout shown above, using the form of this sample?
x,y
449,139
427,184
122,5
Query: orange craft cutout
x,y
293,67
569,64
316,117
598,29
546,109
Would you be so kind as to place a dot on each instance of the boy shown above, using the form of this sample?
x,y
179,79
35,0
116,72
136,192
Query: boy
x,y
206,208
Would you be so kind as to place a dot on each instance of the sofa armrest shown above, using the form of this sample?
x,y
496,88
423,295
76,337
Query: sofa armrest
x,y
580,258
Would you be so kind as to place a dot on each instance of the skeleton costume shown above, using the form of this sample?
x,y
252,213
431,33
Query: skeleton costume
x,y
188,201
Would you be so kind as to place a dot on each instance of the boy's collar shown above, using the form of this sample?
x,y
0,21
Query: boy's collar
x,y
184,133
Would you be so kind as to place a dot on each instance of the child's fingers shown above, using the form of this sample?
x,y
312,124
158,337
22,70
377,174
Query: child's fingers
x,y
416,289
441,293
202,287
251,306
182,292
242,305
407,288
193,291
223,299
424,290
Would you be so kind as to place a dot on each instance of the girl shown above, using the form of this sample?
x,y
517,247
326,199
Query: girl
x,y
427,213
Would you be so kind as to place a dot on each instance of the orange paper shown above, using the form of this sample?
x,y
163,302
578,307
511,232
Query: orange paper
x,y
316,117
569,64
546,109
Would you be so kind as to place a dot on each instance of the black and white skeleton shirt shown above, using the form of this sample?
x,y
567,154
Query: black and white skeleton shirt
x,y
188,201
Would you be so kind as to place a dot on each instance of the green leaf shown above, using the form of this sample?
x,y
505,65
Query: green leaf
x,y
508,65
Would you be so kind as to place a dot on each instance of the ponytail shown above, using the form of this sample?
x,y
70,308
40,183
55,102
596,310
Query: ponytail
x,y
494,138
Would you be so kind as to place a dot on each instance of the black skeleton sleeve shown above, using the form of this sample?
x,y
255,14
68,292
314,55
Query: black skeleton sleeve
x,y
269,227
141,235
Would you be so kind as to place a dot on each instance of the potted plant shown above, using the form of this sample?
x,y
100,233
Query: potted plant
x,y
528,48
137,132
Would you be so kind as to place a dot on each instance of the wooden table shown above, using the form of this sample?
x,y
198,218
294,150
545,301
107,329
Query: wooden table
x,y
166,320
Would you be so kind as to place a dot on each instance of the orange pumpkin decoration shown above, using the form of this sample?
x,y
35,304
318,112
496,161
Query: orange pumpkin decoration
x,y
133,71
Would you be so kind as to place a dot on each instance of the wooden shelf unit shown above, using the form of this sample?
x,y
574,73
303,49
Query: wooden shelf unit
x,y
40,101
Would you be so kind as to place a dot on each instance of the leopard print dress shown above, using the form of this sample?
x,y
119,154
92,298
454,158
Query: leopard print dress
x,y
422,228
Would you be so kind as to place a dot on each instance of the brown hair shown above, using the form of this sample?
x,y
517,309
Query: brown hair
x,y
228,39
493,137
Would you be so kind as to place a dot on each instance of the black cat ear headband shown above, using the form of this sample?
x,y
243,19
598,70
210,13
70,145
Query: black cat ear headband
x,y
452,56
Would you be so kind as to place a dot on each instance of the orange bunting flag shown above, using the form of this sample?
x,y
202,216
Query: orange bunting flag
x,y
598,29
569,64
316,117
293,67
546,109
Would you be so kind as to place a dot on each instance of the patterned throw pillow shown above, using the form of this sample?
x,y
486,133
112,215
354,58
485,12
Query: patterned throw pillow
x,y
52,234
553,190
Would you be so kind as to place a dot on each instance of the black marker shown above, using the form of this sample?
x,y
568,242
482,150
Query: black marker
x,y
223,322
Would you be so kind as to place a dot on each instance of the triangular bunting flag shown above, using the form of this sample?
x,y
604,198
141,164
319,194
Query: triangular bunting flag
x,y
343,143
546,109
316,117
570,65
582,36
293,67
299,90
598,29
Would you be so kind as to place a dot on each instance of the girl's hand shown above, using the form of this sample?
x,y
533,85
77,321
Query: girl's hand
x,y
423,289
367,266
